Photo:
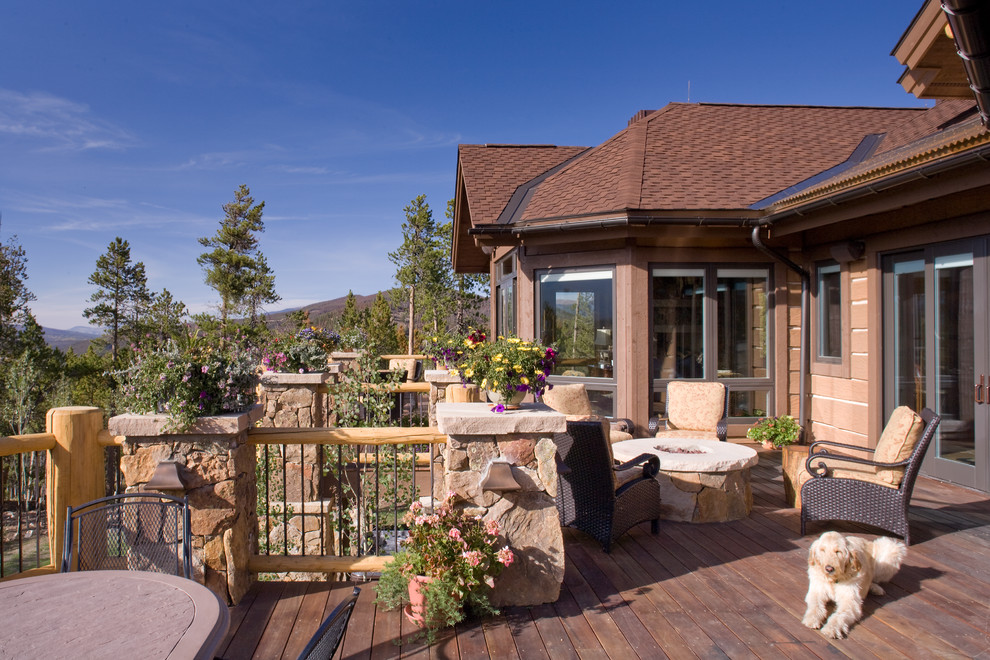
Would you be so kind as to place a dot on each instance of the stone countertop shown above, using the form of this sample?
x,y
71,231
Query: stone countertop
x,y
711,456
478,419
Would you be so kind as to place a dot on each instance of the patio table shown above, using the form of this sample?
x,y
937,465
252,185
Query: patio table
x,y
110,614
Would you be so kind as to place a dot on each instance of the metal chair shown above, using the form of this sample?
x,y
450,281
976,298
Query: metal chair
x,y
132,531
591,498
695,409
871,492
330,634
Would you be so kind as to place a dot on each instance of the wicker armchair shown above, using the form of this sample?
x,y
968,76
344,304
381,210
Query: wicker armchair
x,y
695,409
873,492
600,499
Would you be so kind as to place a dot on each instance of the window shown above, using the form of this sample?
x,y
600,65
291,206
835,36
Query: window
x,y
828,291
713,323
576,314
505,296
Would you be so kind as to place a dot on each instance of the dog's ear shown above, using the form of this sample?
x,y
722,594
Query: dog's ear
x,y
813,554
855,561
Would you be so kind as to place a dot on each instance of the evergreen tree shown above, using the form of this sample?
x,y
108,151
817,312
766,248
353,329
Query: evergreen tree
x,y
122,295
165,317
465,296
14,295
235,267
419,260
350,317
380,328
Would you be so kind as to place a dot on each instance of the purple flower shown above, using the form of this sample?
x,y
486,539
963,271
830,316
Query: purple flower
x,y
202,395
499,408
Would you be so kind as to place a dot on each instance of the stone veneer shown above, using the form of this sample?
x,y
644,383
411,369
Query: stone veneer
x,y
217,467
528,516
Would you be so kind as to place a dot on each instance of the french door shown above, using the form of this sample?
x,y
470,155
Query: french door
x,y
936,330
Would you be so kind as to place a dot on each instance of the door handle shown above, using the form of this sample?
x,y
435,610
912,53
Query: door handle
x,y
979,390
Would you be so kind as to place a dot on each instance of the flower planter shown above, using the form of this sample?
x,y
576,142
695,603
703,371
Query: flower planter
x,y
415,611
512,404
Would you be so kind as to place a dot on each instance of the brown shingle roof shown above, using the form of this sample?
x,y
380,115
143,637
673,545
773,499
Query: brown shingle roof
x,y
492,173
708,156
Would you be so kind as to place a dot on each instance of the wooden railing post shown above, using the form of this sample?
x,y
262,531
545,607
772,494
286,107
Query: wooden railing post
x,y
75,467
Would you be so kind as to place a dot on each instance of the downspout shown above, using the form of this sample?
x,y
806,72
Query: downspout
x,y
803,368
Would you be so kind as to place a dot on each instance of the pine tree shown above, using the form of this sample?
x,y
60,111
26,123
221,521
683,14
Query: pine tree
x,y
350,317
419,260
14,294
122,296
165,316
380,327
235,267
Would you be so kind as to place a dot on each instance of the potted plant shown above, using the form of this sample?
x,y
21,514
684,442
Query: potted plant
x,y
775,432
448,564
303,352
185,383
507,368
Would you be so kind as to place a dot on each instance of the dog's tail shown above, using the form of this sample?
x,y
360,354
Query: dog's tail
x,y
888,554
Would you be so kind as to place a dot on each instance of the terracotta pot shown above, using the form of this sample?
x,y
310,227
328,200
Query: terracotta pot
x,y
513,403
768,445
416,609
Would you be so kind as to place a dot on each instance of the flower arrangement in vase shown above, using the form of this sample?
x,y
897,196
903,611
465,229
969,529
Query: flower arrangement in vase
x,y
508,367
775,432
449,562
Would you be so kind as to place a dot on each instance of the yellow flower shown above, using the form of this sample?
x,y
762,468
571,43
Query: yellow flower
x,y
468,372
524,380
513,340
517,367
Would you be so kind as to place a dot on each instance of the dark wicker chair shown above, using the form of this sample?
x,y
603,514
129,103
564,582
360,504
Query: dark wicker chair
x,y
825,497
330,634
666,426
133,531
587,497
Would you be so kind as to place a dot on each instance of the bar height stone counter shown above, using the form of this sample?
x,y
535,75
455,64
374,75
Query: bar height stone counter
x,y
523,438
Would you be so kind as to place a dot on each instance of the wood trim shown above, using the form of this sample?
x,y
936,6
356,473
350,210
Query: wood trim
x,y
314,564
23,444
346,436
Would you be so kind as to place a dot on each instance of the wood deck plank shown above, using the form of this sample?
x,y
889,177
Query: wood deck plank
x,y
729,590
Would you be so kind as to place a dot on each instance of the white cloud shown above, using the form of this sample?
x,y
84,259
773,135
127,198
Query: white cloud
x,y
58,123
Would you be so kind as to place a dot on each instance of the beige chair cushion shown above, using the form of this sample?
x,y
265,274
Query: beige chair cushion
x,y
408,364
688,435
897,442
845,470
694,406
570,399
456,393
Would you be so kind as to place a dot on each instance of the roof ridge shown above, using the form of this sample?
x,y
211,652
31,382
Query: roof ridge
x,y
792,105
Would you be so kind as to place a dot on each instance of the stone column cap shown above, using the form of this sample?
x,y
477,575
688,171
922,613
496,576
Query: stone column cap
x,y
478,419
440,376
130,424
290,378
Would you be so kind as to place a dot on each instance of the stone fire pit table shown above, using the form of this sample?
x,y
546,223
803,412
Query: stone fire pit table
x,y
700,480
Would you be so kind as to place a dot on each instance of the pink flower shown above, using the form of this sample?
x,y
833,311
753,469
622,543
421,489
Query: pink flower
x,y
416,506
204,368
454,533
473,557
505,556
492,527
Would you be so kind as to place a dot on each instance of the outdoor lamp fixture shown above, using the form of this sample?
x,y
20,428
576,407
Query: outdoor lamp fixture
x,y
848,251
498,477
166,477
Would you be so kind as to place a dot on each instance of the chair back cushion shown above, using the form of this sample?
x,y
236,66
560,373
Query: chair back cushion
x,y
570,399
695,406
897,442
408,364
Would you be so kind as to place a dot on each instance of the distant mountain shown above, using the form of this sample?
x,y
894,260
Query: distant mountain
x,y
77,338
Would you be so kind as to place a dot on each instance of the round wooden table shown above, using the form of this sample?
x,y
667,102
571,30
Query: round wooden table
x,y
110,614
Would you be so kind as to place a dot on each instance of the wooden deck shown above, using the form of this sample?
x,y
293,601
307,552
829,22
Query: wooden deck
x,y
708,591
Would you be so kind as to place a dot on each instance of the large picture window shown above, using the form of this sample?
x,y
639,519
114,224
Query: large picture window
x,y
711,323
576,314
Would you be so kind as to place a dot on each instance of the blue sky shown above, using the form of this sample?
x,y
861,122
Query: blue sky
x,y
140,120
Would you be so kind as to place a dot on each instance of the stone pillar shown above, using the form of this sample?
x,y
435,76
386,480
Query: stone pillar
x,y
292,400
528,516
218,469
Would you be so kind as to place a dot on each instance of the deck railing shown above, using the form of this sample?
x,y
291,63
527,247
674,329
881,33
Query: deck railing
x,y
331,500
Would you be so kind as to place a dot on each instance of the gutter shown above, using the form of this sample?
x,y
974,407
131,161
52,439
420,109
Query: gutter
x,y
968,20
609,223
805,366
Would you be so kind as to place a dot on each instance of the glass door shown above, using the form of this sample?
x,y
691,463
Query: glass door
x,y
935,309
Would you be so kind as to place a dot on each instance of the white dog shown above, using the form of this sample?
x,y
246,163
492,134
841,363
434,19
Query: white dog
x,y
842,569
